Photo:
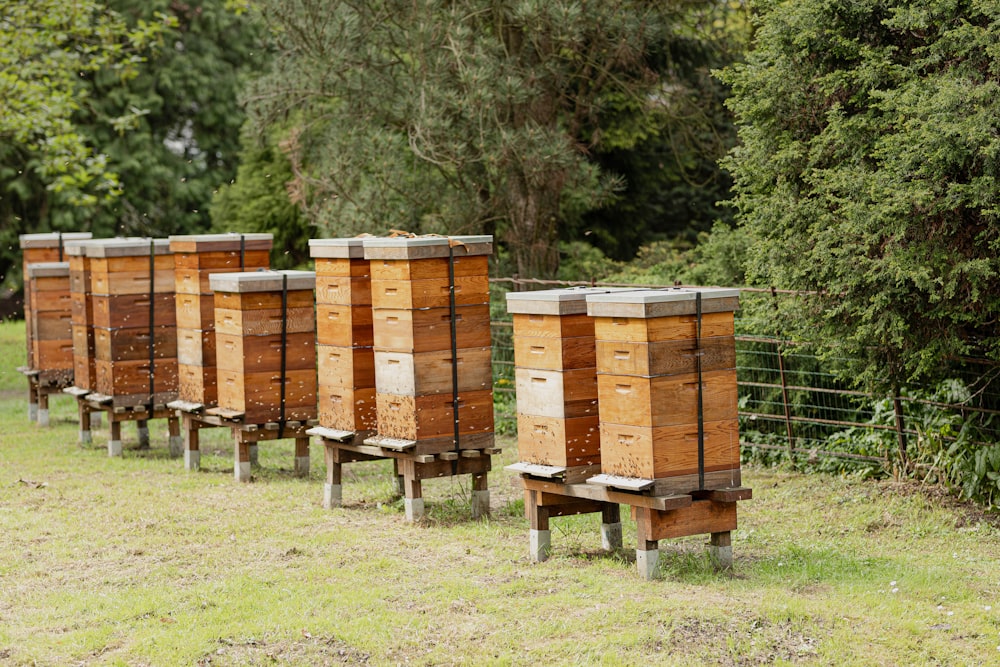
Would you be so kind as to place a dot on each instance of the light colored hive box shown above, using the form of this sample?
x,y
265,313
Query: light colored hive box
x,y
195,258
50,316
556,380
135,335
251,311
416,357
344,336
649,347
45,247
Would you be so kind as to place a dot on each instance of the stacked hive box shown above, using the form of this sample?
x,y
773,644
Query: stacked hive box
x,y
666,365
82,322
431,326
41,248
265,329
195,257
49,313
344,336
135,334
556,380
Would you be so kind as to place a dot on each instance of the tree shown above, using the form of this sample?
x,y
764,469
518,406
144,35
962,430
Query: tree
x,y
155,130
868,174
478,116
46,48
182,113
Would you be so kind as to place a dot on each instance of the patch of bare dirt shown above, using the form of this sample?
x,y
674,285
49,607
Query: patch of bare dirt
x,y
308,650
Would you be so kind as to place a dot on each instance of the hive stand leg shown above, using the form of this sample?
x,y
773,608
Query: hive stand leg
x,y
115,437
43,407
647,551
241,468
414,501
302,457
86,437
720,550
539,537
333,490
400,482
611,527
142,429
32,402
192,455
480,495
176,443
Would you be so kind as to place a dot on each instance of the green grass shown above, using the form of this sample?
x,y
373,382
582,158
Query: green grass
x,y
133,561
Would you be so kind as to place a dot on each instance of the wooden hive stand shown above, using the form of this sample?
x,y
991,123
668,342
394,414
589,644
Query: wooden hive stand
x,y
432,373
196,257
42,382
657,517
124,293
266,358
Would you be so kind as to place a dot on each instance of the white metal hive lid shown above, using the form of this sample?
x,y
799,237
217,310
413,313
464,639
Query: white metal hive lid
x,y
48,270
427,247
127,247
342,248
51,239
663,303
564,301
262,281
220,242
78,248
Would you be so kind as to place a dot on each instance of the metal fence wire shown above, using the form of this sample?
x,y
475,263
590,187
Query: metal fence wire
x,y
792,404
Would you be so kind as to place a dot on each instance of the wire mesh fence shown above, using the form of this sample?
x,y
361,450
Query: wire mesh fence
x,y
792,403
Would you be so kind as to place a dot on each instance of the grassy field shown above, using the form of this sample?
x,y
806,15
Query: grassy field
x,y
132,561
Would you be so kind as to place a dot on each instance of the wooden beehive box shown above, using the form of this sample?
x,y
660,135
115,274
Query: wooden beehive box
x,y
667,387
50,316
556,378
135,338
196,257
264,322
431,336
45,247
82,310
346,359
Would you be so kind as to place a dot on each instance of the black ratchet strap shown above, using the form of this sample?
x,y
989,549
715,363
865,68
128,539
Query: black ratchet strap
x,y
701,406
454,352
284,343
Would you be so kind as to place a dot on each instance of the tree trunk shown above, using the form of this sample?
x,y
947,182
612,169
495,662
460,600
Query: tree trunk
x,y
533,225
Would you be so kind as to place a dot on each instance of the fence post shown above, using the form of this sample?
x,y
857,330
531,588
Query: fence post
x,y
784,386
897,407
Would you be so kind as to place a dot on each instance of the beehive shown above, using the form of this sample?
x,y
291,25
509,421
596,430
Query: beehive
x,y
431,338
346,358
82,311
667,386
556,378
195,258
47,247
135,339
265,344
50,315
